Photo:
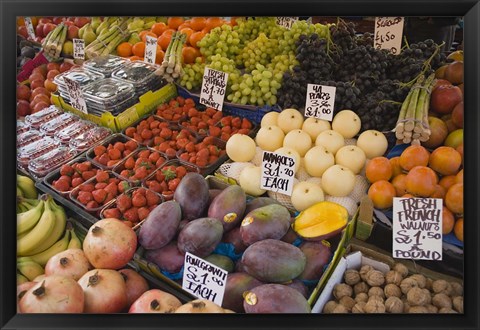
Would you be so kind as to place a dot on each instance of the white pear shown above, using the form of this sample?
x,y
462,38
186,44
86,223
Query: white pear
x,y
289,120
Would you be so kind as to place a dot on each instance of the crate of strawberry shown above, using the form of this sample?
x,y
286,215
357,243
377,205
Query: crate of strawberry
x,y
201,121
112,151
100,190
138,165
166,179
175,109
133,206
230,125
208,154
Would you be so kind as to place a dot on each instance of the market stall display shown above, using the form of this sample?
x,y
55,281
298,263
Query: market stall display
x,y
268,187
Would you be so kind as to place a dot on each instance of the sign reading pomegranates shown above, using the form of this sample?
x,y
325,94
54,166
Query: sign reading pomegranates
x,y
417,228
278,172
214,85
203,279
388,34
320,101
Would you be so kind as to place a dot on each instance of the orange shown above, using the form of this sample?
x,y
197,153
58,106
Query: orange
x,y
445,160
399,184
195,38
378,168
459,177
421,181
20,21
164,40
139,49
187,31
159,28
233,21
454,198
447,181
414,155
135,58
458,229
174,22
448,221
439,192
213,22
160,55
144,36
198,23
184,25
381,193
189,54
396,168
124,49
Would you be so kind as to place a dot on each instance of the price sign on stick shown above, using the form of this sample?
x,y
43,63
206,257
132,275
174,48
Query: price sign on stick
x,y
286,22
29,26
320,101
388,34
78,49
150,50
417,228
203,279
278,172
214,86
76,95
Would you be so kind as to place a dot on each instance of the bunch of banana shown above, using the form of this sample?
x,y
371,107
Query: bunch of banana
x,y
53,43
26,187
29,269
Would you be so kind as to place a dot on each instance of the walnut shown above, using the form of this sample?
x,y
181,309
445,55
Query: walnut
x,y
375,278
421,280
401,268
407,284
329,307
441,286
418,297
340,309
351,277
428,284
418,310
457,289
360,287
347,302
376,298
394,277
359,307
361,297
428,294
394,305
446,310
458,303
431,309
376,291
374,306
392,290
441,300
364,270
341,290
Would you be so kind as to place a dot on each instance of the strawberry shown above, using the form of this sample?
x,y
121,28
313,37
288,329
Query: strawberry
x,y
246,123
99,196
237,122
131,214
124,202
112,213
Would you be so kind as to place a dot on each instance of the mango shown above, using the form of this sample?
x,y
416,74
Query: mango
x,y
318,255
228,207
290,237
160,226
221,261
299,286
212,193
239,266
321,221
233,237
273,261
275,298
192,195
257,202
200,236
237,284
168,258
270,221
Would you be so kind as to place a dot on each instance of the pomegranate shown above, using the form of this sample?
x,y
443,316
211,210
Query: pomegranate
x,y
110,244
155,301
55,294
71,262
105,291
200,306
136,284
22,289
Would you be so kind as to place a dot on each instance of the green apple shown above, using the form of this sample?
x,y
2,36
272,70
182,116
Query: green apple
x,y
454,139
67,48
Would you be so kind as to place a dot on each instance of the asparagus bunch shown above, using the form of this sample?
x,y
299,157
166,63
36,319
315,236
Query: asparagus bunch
x,y
109,39
171,66
412,124
53,42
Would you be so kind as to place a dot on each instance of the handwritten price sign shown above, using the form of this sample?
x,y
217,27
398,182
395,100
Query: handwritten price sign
x,y
76,95
388,34
417,228
214,86
29,26
286,22
320,101
78,49
203,279
278,172
150,50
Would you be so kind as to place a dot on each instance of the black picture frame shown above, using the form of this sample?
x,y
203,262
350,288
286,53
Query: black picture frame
x,y
469,9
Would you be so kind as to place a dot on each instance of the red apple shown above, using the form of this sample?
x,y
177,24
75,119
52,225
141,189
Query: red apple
x,y
445,98
40,106
48,27
23,108
53,66
457,115
81,21
442,82
23,92
72,32
68,23
22,30
58,19
439,132
65,66
454,72
39,30
44,20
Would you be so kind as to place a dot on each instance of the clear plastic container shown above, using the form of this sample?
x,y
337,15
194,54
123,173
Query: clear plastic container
x,y
104,64
88,139
48,162
108,92
138,73
38,118
151,166
28,137
66,134
36,149
22,127
210,167
64,120
108,143
83,77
